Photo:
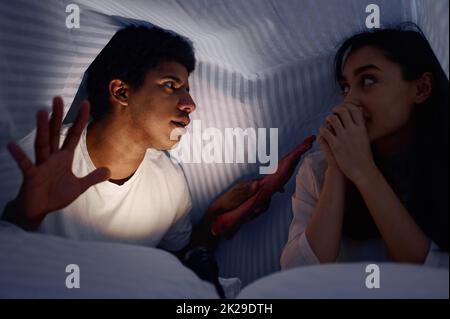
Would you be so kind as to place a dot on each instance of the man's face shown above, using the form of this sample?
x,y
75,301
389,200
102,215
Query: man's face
x,y
160,108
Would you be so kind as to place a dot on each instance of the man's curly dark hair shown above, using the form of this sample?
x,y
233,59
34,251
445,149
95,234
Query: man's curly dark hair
x,y
128,56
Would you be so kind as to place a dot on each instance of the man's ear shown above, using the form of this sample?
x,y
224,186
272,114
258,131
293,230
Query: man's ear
x,y
424,87
119,92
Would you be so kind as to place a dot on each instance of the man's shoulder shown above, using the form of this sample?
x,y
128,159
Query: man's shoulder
x,y
162,161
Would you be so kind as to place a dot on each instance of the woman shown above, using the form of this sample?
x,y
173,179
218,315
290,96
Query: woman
x,y
377,189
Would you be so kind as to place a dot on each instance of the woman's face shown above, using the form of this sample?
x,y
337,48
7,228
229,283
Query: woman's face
x,y
376,84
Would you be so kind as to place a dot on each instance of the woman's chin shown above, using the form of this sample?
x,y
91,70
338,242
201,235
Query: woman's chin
x,y
372,133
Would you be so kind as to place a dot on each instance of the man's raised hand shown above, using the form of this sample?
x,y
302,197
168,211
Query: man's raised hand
x,y
49,183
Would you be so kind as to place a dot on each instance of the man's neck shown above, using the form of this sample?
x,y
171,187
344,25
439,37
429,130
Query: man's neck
x,y
111,144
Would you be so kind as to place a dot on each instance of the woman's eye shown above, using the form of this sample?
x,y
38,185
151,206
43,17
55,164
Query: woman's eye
x,y
366,81
345,88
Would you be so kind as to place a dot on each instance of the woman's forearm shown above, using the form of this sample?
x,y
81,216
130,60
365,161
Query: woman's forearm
x,y
405,241
325,226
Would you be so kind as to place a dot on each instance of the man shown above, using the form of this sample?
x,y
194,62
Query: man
x,y
131,191
139,91
111,180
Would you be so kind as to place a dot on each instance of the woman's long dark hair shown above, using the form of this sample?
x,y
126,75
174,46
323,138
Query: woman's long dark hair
x,y
429,187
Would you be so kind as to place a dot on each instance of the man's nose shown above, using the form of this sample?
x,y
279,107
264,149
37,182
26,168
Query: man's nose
x,y
186,103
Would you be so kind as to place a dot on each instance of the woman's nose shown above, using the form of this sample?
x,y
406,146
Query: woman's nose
x,y
352,98
352,102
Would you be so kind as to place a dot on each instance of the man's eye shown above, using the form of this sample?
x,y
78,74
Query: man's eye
x,y
169,85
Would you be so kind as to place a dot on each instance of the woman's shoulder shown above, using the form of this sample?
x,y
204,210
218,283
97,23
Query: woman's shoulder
x,y
312,169
315,161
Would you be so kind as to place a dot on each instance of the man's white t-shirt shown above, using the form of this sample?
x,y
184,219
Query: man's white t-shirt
x,y
151,208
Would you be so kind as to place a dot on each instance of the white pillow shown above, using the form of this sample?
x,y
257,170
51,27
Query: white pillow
x,y
349,281
34,266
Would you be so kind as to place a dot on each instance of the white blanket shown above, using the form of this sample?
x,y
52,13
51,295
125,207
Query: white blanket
x,y
349,281
34,266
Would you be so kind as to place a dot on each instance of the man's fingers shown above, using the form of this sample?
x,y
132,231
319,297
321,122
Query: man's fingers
x,y
95,177
244,190
262,208
307,143
55,123
252,188
242,185
74,133
41,142
303,147
22,160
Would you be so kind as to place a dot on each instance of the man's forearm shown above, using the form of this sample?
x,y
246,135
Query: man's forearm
x,y
201,234
201,237
15,214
